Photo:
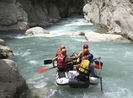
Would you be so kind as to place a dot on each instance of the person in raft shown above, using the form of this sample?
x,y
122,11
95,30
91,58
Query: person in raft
x,y
62,59
84,54
86,66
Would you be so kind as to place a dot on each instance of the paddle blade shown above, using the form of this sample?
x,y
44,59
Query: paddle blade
x,y
43,70
47,61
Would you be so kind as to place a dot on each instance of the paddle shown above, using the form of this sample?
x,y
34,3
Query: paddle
x,y
100,67
47,61
101,84
45,69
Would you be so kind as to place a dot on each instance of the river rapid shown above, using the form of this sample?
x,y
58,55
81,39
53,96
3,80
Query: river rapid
x,y
31,51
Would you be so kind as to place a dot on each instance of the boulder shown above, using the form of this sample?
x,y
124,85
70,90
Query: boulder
x,y
12,85
36,31
5,52
97,37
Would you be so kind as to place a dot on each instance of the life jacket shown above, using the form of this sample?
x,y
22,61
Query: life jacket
x,y
61,61
58,53
76,59
84,66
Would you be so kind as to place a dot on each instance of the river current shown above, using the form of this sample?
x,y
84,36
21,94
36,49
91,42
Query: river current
x,y
31,51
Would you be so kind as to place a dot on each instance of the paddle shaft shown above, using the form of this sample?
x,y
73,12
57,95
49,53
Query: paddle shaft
x,y
52,67
101,77
101,84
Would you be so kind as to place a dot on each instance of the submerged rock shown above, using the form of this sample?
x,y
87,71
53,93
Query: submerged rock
x,y
12,85
36,31
78,34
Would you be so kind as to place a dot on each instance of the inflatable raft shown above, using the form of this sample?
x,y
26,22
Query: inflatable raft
x,y
69,78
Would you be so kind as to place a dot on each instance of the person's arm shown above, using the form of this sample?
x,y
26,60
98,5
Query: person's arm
x,y
53,59
79,57
80,53
96,58
67,59
91,58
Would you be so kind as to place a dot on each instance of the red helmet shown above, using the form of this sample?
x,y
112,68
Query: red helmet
x,y
85,46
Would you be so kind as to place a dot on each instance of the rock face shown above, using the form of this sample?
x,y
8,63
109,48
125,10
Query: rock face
x,y
45,12
21,14
116,15
12,16
11,82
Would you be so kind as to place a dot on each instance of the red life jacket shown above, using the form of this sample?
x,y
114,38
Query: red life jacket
x,y
61,61
58,53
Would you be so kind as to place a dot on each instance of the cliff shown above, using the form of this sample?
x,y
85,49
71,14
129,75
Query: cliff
x,y
116,16
21,14
12,16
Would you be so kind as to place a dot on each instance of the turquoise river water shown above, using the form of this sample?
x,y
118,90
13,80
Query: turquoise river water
x,y
31,51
